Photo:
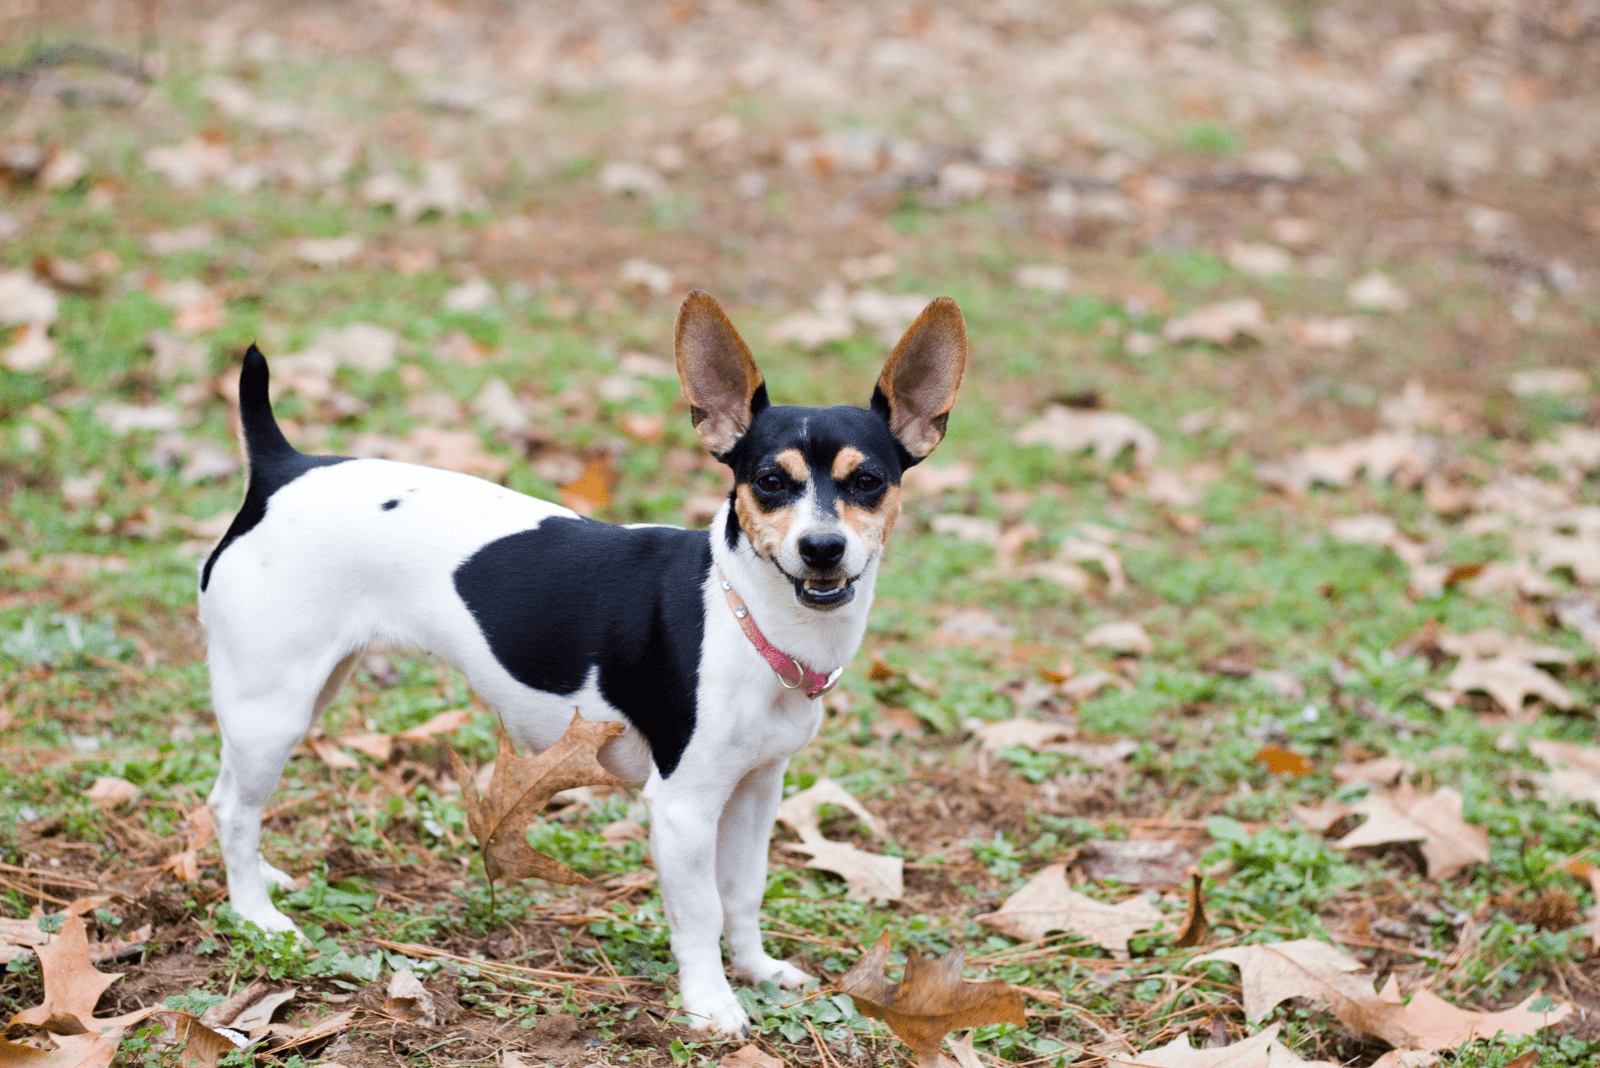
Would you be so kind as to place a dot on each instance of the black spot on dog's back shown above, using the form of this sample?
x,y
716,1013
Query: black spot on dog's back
x,y
571,595
391,505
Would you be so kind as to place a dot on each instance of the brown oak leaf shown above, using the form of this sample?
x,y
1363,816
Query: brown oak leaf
x,y
930,1001
1449,843
1046,903
867,876
519,790
72,988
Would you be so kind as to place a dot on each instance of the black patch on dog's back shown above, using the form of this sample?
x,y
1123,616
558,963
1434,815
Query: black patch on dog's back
x,y
274,463
573,594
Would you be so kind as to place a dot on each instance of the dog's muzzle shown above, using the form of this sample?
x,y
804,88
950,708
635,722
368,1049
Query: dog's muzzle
x,y
823,593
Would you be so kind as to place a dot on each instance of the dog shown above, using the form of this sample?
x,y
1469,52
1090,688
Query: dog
x,y
711,647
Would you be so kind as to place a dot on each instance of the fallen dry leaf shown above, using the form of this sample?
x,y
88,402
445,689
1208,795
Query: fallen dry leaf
x,y
1380,771
749,1056
1135,862
203,1047
1378,292
186,864
520,788
930,1001
1028,733
31,349
1428,1022
1271,973
867,876
446,722
257,1017
407,999
1220,324
72,988
1107,433
1123,636
1389,455
324,1028
799,811
590,491
1448,843
1280,761
1047,903
1574,770
108,791
1509,681
93,1049
1194,928
1258,1051
1274,972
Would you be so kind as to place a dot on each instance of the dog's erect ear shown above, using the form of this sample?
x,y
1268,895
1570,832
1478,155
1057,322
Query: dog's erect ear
x,y
720,381
918,385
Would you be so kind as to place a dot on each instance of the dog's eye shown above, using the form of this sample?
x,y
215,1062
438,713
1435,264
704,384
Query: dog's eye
x,y
865,483
769,483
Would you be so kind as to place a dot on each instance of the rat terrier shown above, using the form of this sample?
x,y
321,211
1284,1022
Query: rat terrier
x,y
711,647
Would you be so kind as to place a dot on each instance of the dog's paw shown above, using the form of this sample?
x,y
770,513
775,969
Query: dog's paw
x,y
717,1014
771,969
270,919
275,877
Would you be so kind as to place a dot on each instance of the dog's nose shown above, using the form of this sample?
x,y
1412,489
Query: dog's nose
x,y
822,550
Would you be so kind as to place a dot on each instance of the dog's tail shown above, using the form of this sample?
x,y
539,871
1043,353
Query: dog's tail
x,y
263,440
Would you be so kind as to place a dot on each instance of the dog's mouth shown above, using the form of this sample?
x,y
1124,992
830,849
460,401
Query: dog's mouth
x,y
829,592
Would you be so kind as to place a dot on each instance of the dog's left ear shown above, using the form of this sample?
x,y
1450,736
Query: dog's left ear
x,y
918,385
720,381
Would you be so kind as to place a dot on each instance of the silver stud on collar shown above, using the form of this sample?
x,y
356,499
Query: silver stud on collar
x,y
726,585
741,611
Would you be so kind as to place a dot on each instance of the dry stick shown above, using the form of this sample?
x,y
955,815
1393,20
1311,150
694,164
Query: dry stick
x,y
44,875
1027,950
39,894
411,949
822,1048
810,997
1392,947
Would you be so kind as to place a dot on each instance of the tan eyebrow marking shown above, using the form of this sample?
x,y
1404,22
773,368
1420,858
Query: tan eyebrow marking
x,y
846,462
794,463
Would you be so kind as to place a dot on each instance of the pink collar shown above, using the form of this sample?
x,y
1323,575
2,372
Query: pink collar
x,y
789,670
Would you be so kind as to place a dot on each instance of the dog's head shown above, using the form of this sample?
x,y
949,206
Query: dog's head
x,y
817,490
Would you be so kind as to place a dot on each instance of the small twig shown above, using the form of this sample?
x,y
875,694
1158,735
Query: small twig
x,y
814,995
1392,947
53,878
39,894
411,949
822,1047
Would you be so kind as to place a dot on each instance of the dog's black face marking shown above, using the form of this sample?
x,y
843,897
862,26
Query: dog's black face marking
x,y
845,457
571,595
389,506
815,437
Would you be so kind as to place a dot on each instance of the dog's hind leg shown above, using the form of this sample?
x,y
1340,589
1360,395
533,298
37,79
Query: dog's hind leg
x,y
260,727
742,840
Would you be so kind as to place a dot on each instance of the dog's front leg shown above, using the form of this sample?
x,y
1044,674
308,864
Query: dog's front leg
x,y
742,839
683,840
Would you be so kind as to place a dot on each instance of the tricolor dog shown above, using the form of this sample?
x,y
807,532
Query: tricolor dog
x,y
711,647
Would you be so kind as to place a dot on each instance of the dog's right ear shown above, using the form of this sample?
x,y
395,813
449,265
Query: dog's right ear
x,y
720,381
